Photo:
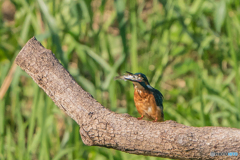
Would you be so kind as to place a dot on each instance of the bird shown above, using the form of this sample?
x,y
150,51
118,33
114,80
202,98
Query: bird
x,y
148,100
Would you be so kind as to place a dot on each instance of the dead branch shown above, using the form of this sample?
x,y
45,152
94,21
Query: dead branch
x,y
102,127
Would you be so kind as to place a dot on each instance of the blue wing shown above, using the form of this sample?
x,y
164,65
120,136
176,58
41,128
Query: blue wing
x,y
158,98
157,95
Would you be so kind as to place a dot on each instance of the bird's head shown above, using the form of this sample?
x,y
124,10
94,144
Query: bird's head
x,y
139,80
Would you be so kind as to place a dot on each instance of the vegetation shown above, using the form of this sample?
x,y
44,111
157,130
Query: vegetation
x,y
189,50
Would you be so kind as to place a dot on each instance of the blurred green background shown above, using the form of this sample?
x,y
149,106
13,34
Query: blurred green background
x,y
189,50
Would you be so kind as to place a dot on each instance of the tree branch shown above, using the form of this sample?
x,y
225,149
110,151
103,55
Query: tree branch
x,y
102,127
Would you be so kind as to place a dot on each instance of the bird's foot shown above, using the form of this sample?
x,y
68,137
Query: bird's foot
x,y
155,120
139,118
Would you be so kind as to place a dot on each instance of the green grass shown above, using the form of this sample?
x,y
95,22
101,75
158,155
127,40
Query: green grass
x,y
189,50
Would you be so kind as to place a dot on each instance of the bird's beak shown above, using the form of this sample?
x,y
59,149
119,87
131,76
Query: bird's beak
x,y
133,79
130,77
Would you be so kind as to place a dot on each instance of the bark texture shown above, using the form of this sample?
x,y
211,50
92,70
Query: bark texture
x,y
102,127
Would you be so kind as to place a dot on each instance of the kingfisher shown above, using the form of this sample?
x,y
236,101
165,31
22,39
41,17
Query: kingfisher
x,y
148,100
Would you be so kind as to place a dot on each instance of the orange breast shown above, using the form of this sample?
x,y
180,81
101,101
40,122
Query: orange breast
x,y
146,104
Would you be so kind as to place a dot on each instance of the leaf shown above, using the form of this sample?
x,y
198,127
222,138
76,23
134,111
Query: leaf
x,y
219,15
221,102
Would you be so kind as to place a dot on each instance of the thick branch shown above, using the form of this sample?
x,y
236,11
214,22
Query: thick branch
x,y
102,127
